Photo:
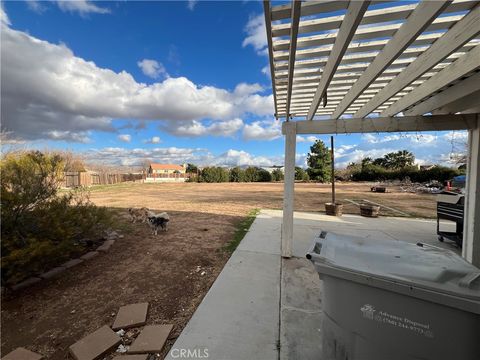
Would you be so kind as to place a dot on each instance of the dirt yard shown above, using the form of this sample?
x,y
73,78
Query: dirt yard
x,y
163,269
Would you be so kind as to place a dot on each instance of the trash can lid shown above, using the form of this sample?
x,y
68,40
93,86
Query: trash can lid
x,y
418,266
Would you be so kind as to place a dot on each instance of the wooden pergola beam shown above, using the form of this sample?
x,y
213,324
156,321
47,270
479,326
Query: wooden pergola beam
x,y
457,92
350,22
388,124
296,8
268,28
423,15
466,64
459,34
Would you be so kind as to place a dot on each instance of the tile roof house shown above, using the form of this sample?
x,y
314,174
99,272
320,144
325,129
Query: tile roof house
x,y
166,172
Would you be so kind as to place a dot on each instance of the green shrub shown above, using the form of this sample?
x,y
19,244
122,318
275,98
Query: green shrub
x,y
371,172
277,175
214,175
236,174
251,174
263,175
40,228
300,174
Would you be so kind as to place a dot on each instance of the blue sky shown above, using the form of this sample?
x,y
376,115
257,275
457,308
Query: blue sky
x,y
124,82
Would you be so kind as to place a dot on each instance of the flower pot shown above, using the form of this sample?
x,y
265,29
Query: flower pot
x,y
334,209
368,210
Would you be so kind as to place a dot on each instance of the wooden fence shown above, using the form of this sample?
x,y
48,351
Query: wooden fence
x,y
76,178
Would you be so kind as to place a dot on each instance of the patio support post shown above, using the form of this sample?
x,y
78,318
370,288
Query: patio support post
x,y
471,230
290,131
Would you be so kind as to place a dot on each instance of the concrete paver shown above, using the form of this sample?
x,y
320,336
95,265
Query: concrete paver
x,y
22,354
52,273
95,345
151,339
130,316
26,283
132,357
106,245
72,263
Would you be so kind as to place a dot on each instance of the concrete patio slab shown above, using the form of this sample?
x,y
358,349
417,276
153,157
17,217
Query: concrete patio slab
x,y
130,316
95,345
264,307
151,340
22,354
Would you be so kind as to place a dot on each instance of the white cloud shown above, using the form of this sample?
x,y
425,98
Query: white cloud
x,y
416,139
35,6
153,140
262,130
63,92
191,4
266,71
152,68
125,137
195,128
120,156
136,157
4,20
428,147
256,34
82,137
242,158
83,7
310,139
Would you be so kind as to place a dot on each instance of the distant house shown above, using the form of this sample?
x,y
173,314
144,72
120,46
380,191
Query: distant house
x,y
271,169
166,172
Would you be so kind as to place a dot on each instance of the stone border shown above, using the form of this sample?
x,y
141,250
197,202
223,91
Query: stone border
x,y
104,247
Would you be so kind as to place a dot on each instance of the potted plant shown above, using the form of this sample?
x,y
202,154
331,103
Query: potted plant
x,y
333,208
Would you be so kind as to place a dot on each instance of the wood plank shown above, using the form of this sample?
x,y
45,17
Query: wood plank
x,y
417,22
268,28
466,64
450,95
391,13
459,34
471,227
289,130
387,124
469,104
293,48
371,32
280,12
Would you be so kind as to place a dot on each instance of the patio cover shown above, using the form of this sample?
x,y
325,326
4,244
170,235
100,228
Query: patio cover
x,y
377,66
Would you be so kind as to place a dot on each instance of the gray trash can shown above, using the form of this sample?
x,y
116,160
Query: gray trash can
x,y
393,300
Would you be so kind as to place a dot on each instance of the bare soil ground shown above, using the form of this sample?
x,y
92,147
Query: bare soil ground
x,y
161,270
